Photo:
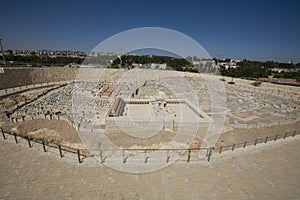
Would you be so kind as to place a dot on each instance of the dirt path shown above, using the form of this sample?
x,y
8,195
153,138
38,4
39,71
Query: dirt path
x,y
59,130
241,135
62,132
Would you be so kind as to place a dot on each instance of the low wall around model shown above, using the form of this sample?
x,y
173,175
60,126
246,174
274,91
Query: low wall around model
x,y
261,125
19,76
114,125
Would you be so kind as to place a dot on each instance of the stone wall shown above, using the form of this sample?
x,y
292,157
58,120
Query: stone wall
x,y
113,124
19,76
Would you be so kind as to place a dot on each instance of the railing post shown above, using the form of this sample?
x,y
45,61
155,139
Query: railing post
x,y
123,155
245,144
209,154
146,157
44,146
168,156
101,157
16,139
189,155
207,151
173,124
78,153
60,151
266,140
3,134
233,145
220,151
255,142
28,140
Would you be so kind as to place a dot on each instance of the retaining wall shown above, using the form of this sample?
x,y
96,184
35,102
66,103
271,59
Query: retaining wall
x,y
19,76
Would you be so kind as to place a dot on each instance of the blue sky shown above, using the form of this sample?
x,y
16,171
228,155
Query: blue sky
x,y
255,30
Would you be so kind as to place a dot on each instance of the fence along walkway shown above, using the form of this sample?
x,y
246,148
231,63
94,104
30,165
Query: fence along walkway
x,y
255,142
124,154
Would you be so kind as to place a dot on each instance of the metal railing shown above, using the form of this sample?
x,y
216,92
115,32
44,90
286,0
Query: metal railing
x,y
254,142
46,143
125,153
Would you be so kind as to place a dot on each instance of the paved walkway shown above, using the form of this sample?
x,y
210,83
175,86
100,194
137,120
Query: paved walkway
x,y
262,172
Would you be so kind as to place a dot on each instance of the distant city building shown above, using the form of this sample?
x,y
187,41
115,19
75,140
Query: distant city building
x,y
50,53
158,66
136,64
279,70
196,62
231,64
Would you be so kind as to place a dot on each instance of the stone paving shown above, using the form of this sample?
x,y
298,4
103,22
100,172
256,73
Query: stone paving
x,y
263,172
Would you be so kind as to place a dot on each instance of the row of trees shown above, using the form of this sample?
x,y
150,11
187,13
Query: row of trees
x,y
247,71
35,60
295,75
256,69
179,64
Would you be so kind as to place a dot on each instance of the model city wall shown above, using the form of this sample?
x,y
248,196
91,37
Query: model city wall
x,y
19,76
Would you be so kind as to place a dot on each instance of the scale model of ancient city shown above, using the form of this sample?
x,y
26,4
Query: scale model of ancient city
x,y
100,109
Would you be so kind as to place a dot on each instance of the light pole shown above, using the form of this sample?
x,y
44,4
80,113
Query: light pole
x,y
2,53
121,58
